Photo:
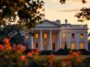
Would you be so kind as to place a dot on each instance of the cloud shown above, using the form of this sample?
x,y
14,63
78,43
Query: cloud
x,y
71,10
55,1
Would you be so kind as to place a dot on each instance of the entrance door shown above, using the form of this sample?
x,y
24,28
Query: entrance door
x,y
36,45
53,46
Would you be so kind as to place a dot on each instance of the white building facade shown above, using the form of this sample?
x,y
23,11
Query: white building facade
x,y
51,35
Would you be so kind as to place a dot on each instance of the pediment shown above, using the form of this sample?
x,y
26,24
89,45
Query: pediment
x,y
47,23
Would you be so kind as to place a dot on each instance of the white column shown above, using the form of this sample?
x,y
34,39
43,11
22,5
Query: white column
x,y
50,48
59,40
77,40
86,41
41,41
31,45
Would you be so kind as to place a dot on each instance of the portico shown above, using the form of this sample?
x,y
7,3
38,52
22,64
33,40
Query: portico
x,y
53,36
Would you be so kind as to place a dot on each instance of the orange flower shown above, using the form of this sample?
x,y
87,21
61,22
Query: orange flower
x,y
70,56
1,47
36,51
52,57
75,54
29,54
6,41
22,57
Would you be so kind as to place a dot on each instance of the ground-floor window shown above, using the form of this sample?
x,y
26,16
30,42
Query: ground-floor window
x,y
81,45
63,45
73,45
53,46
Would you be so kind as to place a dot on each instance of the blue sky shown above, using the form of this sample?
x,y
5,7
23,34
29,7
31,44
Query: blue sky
x,y
54,10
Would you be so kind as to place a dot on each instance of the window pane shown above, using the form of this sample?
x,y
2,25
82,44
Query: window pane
x,y
53,36
73,45
64,35
81,35
45,35
36,35
81,45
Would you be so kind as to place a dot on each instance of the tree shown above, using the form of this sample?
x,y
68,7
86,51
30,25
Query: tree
x,y
84,13
28,12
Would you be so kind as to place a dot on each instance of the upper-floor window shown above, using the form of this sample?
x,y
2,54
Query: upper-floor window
x,y
81,35
63,35
73,35
36,35
45,35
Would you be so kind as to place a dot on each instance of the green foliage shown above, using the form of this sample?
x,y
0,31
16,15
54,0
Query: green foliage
x,y
84,13
28,11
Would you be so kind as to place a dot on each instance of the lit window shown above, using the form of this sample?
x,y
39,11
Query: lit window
x,y
64,35
81,45
63,45
73,35
81,35
53,36
73,45
36,35
45,35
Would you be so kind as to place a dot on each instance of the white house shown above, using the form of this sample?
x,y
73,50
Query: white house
x,y
52,35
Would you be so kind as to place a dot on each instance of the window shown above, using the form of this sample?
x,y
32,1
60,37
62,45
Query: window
x,y
63,45
73,45
73,35
45,35
81,45
36,35
63,35
53,36
81,35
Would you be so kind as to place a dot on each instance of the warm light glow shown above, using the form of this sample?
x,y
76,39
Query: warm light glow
x,y
53,36
45,43
36,35
45,35
27,36
73,45
63,35
81,45
81,35
63,45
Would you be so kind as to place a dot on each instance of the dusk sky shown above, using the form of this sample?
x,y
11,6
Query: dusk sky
x,y
54,10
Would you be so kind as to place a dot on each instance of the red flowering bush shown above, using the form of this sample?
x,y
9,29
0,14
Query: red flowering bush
x,y
15,56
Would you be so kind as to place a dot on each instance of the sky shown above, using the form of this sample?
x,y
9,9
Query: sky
x,y
55,11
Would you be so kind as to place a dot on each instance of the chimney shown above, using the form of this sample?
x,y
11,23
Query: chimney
x,y
66,21
58,21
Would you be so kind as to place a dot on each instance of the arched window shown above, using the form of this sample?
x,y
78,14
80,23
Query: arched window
x,y
81,35
73,46
73,35
64,36
81,45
